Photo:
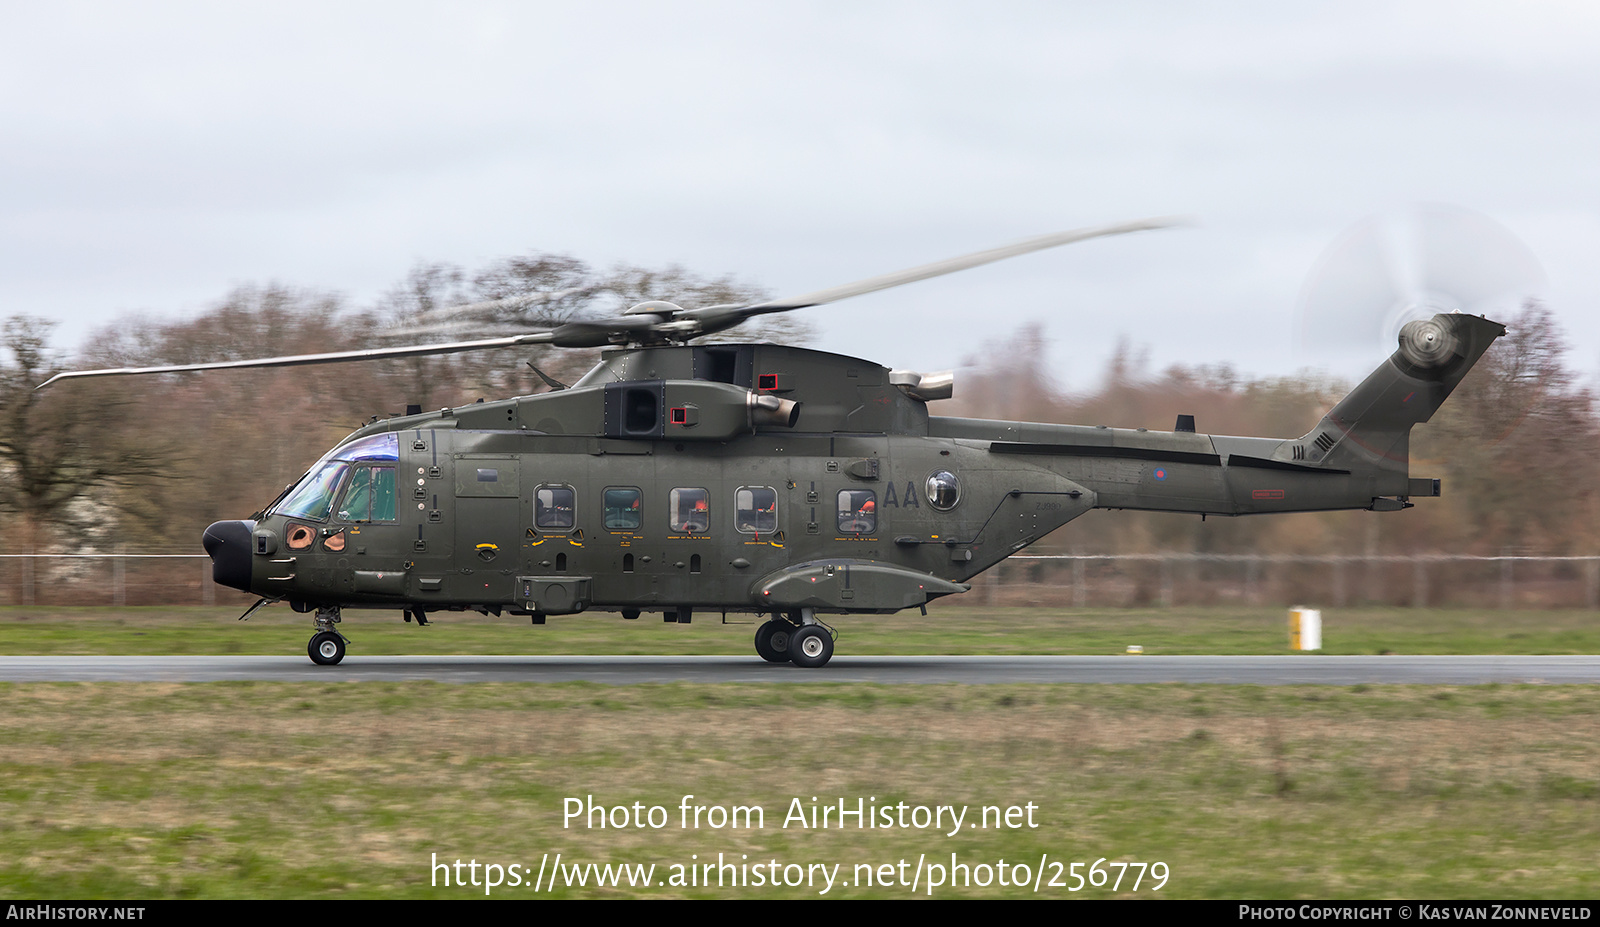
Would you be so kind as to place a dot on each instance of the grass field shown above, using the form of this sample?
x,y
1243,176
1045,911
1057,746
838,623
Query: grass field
x,y
338,790
964,630
333,790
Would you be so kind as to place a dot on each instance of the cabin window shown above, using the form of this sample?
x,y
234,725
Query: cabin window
x,y
553,508
622,510
370,495
756,510
943,490
691,510
858,511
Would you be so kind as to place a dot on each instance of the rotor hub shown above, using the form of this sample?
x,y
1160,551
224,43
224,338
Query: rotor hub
x,y
1427,342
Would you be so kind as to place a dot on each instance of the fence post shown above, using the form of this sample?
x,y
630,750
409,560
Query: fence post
x,y
1591,591
1080,591
1377,591
1505,583
119,578
27,580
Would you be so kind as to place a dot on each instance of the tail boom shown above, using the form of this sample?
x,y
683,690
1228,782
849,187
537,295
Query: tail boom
x,y
1356,458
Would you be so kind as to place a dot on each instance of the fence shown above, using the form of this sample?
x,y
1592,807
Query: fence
x,y
1420,580
110,579
1079,580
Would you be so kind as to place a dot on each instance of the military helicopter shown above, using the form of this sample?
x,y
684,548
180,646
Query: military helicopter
x,y
759,478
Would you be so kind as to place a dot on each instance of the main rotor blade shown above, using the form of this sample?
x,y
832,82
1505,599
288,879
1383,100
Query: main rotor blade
x,y
299,360
937,269
503,303
681,325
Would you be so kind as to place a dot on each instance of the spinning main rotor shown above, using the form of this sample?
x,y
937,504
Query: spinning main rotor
x,y
647,323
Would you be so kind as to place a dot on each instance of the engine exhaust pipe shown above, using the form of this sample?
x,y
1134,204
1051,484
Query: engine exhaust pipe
x,y
770,410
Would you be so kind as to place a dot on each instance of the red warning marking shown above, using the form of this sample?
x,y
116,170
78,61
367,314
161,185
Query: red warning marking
x,y
1266,494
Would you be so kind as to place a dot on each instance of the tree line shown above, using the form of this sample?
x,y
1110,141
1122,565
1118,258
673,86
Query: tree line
x,y
146,463
1515,447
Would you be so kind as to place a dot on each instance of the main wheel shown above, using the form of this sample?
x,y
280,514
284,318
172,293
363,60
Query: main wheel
x,y
326,648
811,646
772,641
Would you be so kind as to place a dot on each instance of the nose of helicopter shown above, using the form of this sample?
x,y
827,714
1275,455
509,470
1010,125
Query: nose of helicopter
x,y
228,545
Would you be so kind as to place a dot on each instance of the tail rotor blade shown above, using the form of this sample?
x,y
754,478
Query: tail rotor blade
x,y
1386,271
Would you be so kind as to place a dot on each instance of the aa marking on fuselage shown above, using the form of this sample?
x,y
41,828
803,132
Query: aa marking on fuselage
x,y
910,502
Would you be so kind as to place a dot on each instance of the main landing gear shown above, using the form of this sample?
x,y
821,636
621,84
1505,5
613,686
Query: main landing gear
x,y
795,638
772,640
326,647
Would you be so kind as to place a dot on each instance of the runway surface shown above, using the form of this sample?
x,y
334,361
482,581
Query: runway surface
x,y
1263,670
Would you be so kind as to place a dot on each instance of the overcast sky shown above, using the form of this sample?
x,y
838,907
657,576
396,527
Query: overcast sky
x,y
155,156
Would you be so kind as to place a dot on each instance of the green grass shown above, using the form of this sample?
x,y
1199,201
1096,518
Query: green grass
x,y
947,630
334,790
243,790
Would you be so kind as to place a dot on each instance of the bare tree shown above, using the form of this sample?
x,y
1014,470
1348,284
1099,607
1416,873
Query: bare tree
x,y
1518,441
62,447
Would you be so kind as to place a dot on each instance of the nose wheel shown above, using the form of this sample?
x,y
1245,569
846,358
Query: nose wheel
x,y
326,648
327,645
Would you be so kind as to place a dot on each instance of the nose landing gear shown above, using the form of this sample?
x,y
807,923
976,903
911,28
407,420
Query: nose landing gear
x,y
326,647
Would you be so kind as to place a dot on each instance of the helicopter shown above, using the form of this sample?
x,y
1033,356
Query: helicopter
x,y
794,484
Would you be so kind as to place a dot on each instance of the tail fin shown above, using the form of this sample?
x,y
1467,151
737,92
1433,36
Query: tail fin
x,y
1370,429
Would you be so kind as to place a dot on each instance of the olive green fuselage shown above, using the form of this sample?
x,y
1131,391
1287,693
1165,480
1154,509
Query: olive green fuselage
x,y
659,482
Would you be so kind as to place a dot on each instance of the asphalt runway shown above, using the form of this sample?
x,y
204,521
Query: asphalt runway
x,y
1307,669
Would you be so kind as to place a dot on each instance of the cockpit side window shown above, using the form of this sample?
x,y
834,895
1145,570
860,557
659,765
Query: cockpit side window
x,y
370,496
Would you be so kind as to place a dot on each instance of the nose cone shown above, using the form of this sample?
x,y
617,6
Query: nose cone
x,y
228,544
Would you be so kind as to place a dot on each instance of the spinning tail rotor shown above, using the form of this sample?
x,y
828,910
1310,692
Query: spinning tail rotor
x,y
1387,272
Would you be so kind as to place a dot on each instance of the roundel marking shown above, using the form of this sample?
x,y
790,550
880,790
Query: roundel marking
x,y
1160,473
